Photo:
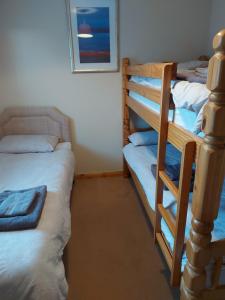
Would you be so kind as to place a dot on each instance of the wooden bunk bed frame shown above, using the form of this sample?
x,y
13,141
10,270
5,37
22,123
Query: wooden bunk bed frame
x,y
209,155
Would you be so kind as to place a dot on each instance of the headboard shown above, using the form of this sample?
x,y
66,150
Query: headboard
x,y
35,120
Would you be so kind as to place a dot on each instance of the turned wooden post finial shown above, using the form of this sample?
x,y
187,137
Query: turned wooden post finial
x,y
209,178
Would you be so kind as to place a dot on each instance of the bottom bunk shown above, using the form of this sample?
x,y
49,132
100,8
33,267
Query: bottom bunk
x,y
140,160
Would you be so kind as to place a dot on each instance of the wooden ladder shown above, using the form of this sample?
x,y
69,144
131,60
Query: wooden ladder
x,y
181,194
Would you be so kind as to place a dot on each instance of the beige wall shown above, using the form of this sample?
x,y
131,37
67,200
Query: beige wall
x,y
217,21
35,67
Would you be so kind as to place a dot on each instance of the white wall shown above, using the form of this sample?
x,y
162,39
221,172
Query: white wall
x,y
35,67
217,21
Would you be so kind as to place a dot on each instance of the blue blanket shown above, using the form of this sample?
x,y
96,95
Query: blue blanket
x,y
29,215
13,204
172,165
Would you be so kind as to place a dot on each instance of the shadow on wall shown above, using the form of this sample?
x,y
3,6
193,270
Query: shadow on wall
x,y
99,158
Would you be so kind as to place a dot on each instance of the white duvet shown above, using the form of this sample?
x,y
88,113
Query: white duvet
x,y
31,266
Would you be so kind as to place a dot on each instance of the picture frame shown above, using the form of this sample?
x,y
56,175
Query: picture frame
x,y
93,35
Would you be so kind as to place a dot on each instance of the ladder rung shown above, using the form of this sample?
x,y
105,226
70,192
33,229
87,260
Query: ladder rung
x,y
164,249
169,183
168,218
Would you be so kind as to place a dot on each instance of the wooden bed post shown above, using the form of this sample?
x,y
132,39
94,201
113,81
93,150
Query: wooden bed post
x,y
209,178
126,116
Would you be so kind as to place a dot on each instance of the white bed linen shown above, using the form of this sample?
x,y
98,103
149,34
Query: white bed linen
x,y
31,266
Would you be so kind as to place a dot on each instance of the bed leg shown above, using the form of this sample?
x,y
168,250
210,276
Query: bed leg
x,y
209,178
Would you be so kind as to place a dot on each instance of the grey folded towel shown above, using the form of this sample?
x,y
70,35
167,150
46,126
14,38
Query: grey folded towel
x,y
31,218
14,204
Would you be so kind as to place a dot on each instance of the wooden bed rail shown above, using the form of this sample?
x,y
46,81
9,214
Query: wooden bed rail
x,y
208,183
153,70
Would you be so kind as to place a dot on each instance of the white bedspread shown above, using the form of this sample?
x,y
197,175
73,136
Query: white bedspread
x,y
31,266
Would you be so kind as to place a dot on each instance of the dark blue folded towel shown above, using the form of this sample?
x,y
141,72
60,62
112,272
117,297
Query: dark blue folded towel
x,y
32,216
13,204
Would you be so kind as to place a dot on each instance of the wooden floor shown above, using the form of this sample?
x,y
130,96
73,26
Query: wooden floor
x,y
111,255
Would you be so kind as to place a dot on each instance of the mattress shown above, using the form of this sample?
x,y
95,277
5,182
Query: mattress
x,y
140,159
31,266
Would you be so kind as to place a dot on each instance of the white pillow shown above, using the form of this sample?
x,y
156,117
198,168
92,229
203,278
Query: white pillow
x,y
144,138
28,143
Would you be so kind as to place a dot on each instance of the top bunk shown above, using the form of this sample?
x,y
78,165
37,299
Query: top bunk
x,y
159,89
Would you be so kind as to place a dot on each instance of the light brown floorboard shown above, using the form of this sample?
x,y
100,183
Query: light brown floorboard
x,y
111,255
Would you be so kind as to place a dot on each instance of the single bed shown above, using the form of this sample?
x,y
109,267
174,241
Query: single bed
x,y
31,265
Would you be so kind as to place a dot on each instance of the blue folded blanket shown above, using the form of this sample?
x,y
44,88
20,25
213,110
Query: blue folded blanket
x,y
14,217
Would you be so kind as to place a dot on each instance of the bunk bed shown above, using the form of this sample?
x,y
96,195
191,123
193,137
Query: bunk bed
x,y
202,253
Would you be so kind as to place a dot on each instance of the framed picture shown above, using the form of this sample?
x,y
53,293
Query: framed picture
x,y
93,35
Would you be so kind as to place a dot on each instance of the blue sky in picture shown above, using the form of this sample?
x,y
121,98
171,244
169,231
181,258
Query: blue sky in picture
x,y
94,21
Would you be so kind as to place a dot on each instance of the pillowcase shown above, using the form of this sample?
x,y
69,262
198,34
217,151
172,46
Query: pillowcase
x,y
144,138
28,143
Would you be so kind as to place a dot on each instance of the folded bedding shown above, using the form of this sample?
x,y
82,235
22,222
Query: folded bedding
x,y
21,210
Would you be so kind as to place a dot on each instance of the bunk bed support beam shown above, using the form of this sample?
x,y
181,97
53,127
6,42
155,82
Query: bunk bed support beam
x,y
126,116
209,180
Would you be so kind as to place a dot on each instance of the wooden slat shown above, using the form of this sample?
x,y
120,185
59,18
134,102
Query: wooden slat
x,y
147,70
168,219
164,249
217,294
162,141
187,160
178,136
144,199
169,183
146,114
218,248
147,92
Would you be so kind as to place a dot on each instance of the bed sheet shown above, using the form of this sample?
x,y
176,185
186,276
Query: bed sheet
x,y
31,266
